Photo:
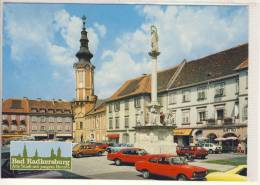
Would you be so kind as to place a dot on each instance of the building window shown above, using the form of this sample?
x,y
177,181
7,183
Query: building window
x,y
126,121
22,117
245,113
59,119
80,79
160,100
185,96
117,106
13,117
34,128
59,127
246,80
110,107
42,110
126,104
117,122
137,102
219,89
172,98
220,114
34,119
4,117
42,128
237,86
81,125
110,123
34,109
186,117
51,127
67,128
43,119
201,93
51,119
202,116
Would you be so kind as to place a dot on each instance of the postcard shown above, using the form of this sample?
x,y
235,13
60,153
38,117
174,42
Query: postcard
x,y
125,91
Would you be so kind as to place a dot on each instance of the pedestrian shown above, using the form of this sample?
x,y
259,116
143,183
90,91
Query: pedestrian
x,y
239,148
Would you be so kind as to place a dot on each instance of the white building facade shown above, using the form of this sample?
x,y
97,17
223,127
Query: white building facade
x,y
206,99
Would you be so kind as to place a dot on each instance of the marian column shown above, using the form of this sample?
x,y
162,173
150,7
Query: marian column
x,y
154,53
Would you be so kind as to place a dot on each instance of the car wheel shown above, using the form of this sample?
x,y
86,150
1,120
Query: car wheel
x,y
210,151
146,174
79,155
99,153
181,178
118,162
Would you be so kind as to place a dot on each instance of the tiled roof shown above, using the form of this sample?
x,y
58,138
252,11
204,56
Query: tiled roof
x,y
99,108
141,85
213,66
243,65
50,104
15,106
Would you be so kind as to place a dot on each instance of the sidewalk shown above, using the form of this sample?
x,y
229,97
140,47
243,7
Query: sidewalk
x,y
211,166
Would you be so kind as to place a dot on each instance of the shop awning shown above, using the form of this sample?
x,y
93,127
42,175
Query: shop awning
x,y
182,132
113,136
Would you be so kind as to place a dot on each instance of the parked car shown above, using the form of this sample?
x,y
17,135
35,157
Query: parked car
x,y
192,152
81,150
211,148
100,145
239,173
115,147
172,167
130,155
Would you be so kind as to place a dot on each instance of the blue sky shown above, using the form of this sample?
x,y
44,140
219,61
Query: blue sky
x,y
40,42
43,147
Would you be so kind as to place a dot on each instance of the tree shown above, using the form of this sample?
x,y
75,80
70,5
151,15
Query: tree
x,y
36,153
25,151
59,153
52,153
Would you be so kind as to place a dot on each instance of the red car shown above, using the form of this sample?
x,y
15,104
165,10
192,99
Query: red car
x,y
130,155
101,145
192,152
172,167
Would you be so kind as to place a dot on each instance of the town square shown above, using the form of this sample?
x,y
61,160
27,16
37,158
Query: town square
x,y
159,93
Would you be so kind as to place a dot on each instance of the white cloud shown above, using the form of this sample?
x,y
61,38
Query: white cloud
x,y
101,29
184,32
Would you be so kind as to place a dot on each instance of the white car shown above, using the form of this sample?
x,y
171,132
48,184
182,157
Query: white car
x,y
211,148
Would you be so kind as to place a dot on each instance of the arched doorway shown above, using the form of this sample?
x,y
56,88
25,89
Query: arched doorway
x,y
211,138
198,137
230,143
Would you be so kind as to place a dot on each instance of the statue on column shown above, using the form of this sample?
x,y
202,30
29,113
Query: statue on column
x,y
154,39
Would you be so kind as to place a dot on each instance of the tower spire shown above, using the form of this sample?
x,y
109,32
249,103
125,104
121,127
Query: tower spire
x,y
84,52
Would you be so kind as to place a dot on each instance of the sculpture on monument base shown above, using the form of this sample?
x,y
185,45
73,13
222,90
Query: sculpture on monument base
x,y
154,39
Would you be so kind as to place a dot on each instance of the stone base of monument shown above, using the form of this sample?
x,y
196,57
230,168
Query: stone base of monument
x,y
155,139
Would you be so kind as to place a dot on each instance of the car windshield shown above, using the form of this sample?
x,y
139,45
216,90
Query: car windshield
x,y
142,152
177,160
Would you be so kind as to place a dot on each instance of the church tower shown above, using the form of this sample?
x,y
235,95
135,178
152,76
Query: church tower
x,y
85,99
